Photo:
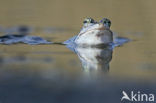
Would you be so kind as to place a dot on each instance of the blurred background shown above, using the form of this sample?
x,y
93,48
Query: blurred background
x,y
53,73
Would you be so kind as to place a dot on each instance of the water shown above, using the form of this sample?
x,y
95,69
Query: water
x,y
55,74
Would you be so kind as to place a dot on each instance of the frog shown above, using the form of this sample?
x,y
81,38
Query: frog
x,y
96,34
93,33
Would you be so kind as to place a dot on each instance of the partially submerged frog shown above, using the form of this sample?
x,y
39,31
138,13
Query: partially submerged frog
x,y
95,33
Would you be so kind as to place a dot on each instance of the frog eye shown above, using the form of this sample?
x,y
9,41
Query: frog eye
x,y
91,21
84,21
88,20
104,22
109,22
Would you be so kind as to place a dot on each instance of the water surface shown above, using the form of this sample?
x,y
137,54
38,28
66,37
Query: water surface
x,y
54,74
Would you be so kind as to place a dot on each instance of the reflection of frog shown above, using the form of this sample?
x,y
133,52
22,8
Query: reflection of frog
x,y
94,33
94,58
